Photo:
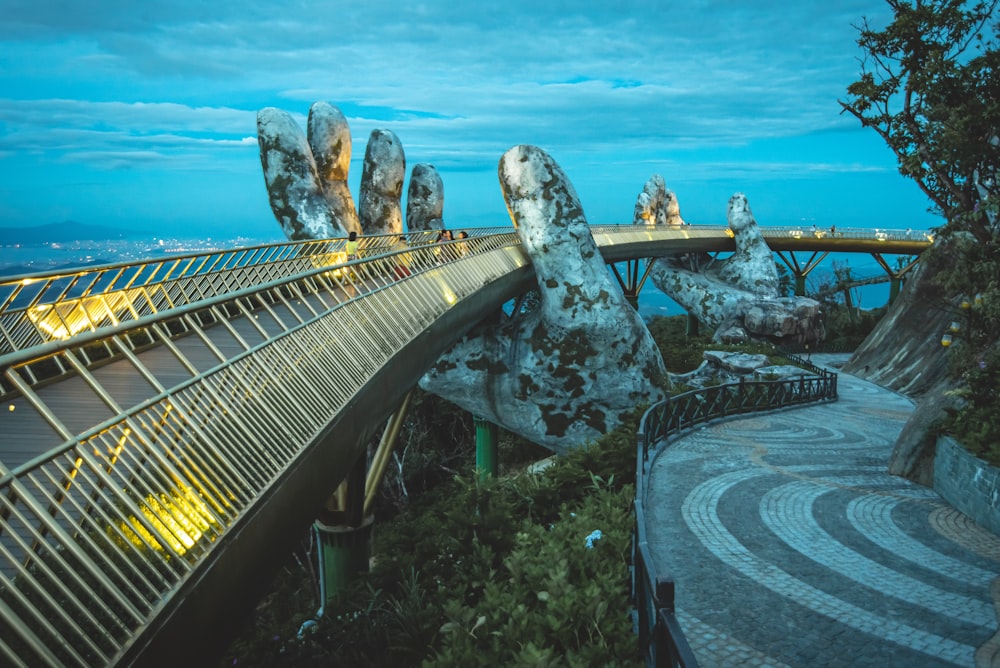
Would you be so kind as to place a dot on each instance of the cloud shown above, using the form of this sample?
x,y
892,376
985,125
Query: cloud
x,y
115,85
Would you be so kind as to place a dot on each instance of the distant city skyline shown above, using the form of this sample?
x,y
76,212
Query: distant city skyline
x,y
145,116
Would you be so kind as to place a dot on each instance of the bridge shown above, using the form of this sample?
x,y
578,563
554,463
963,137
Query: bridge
x,y
172,426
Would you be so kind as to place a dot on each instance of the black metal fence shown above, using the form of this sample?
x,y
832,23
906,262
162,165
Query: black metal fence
x,y
661,639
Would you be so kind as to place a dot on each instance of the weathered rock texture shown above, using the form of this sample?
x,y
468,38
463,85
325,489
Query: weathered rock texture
x,y
330,140
565,372
656,205
382,184
904,353
424,199
293,184
738,298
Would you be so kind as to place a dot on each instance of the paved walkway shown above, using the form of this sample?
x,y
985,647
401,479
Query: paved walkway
x,y
792,546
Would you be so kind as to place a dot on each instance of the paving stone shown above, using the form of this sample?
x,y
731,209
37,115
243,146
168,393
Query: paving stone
x,y
792,546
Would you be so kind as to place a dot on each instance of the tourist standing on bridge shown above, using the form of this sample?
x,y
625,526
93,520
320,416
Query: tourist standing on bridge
x,y
352,246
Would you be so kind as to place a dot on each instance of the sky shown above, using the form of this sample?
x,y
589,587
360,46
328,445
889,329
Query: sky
x,y
142,115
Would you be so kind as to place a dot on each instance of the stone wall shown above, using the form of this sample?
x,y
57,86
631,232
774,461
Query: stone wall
x,y
968,483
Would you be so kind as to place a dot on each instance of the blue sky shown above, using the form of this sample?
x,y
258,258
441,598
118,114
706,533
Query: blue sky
x,y
143,114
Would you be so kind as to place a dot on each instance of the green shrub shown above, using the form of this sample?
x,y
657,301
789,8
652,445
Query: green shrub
x,y
470,548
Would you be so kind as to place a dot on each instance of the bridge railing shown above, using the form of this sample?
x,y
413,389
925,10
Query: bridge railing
x,y
36,308
661,638
110,517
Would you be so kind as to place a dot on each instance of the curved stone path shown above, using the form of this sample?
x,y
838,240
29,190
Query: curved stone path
x,y
792,546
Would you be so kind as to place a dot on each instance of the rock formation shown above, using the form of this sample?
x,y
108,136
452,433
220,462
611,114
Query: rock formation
x,y
330,140
904,353
382,184
738,298
424,199
293,182
565,372
656,205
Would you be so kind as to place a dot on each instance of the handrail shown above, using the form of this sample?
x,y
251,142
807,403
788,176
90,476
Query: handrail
x,y
39,307
661,638
100,529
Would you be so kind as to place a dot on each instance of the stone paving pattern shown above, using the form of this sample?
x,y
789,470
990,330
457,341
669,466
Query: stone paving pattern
x,y
792,546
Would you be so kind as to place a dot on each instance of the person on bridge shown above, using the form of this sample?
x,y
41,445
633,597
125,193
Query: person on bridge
x,y
352,246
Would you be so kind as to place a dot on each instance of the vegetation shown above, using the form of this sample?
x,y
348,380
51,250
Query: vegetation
x,y
929,87
479,572
504,571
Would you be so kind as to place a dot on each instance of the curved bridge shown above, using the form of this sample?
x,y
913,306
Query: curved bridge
x,y
171,427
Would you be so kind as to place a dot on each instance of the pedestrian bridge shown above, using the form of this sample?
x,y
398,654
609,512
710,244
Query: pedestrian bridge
x,y
170,427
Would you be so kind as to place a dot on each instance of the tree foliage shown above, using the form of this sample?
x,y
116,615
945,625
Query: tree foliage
x,y
929,87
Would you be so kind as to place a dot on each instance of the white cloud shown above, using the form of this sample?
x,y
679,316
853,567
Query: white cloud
x,y
179,83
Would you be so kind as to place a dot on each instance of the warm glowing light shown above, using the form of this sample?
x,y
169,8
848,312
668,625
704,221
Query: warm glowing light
x,y
796,234
70,317
978,299
954,326
11,408
946,340
180,520
880,235
966,304
330,260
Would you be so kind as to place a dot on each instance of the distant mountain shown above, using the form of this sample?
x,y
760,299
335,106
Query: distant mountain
x,y
66,231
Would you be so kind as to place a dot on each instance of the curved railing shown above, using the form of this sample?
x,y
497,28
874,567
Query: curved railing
x,y
661,638
36,308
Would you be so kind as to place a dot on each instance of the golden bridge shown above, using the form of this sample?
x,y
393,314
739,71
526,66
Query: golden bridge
x,y
171,427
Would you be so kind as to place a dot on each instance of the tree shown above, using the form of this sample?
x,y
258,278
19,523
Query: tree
x,y
929,87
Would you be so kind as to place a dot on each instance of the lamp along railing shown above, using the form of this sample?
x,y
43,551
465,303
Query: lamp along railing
x,y
661,638
114,512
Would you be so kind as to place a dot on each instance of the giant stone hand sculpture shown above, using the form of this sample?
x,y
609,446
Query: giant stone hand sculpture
x,y
567,371
425,199
739,299
382,184
306,177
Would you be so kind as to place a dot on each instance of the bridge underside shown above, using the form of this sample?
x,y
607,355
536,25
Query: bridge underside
x,y
198,619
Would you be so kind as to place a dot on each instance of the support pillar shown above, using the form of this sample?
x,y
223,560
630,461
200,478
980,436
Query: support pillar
x,y
800,285
894,285
343,553
692,325
486,447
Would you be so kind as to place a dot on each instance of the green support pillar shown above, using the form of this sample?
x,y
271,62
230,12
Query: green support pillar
x,y
632,298
692,325
800,285
486,447
343,553
894,284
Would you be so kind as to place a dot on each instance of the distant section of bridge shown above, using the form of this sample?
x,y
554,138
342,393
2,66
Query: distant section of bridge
x,y
170,427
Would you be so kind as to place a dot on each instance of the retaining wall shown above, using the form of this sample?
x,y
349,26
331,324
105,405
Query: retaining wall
x,y
968,483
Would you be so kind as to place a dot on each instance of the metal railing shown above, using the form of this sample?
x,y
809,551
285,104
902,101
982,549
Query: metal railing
x,y
661,639
100,527
36,308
